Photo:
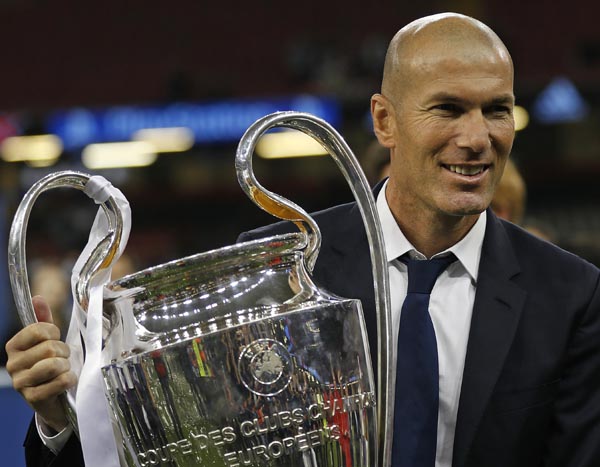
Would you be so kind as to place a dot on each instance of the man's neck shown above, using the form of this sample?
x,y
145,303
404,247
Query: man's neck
x,y
431,240
432,232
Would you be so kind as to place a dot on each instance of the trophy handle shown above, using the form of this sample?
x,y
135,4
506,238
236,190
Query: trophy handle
x,y
282,208
100,258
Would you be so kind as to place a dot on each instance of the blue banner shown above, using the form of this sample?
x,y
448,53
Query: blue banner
x,y
211,122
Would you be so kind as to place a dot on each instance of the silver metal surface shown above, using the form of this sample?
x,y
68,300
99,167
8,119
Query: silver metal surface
x,y
99,259
240,360
339,150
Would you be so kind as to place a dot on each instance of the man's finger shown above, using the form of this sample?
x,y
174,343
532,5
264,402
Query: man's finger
x,y
42,309
31,336
26,359
46,392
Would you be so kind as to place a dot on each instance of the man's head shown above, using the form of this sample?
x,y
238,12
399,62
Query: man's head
x,y
445,112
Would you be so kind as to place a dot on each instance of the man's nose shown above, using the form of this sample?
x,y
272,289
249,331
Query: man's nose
x,y
474,132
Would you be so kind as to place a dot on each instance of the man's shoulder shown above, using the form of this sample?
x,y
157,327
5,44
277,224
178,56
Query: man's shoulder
x,y
533,250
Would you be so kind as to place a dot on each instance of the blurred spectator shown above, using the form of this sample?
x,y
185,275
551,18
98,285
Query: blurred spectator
x,y
50,279
124,266
511,194
510,200
376,162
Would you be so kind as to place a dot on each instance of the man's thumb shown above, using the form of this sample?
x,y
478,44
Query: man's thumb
x,y
42,309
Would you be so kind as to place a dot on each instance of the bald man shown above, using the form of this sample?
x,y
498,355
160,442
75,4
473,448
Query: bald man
x,y
516,321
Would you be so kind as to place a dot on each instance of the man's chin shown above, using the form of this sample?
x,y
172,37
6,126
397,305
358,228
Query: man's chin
x,y
464,203
463,210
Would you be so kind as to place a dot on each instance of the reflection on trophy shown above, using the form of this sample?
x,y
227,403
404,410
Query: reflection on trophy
x,y
234,357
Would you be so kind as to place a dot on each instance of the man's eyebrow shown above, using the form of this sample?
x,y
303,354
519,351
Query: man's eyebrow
x,y
446,97
453,98
506,99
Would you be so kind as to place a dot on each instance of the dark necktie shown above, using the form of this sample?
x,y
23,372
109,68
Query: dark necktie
x,y
417,377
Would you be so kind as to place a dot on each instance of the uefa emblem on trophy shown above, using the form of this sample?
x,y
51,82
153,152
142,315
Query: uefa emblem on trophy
x,y
234,357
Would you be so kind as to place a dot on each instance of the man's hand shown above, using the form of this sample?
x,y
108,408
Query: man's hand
x,y
38,363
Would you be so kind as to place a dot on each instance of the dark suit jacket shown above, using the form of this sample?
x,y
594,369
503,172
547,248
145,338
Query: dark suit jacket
x,y
531,386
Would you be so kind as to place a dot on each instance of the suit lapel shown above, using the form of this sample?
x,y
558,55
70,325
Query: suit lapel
x,y
354,261
496,313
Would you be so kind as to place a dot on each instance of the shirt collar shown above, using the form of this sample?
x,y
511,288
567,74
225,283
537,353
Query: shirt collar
x,y
467,250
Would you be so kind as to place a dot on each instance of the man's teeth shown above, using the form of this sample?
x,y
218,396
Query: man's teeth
x,y
466,169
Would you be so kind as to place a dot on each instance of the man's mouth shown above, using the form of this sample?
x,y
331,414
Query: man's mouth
x,y
467,169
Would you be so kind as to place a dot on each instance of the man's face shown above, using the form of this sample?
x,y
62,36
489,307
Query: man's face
x,y
454,130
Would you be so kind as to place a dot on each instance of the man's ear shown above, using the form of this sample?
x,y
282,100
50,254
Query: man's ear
x,y
383,120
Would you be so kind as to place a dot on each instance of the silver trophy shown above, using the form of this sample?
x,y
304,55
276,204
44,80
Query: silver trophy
x,y
234,356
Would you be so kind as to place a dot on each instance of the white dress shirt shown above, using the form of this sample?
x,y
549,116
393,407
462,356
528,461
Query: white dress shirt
x,y
55,442
450,307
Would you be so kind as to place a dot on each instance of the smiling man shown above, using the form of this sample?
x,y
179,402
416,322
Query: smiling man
x,y
499,357
445,112
504,369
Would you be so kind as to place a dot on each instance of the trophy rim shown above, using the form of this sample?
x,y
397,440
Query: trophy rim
x,y
290,242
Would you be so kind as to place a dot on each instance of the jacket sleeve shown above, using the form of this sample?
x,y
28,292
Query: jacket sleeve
x,y
38,455
575,438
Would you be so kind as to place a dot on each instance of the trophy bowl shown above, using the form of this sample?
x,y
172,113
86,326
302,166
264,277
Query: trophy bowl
x,y
240,360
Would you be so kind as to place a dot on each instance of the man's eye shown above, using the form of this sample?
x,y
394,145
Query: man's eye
x,y
500,110
447,108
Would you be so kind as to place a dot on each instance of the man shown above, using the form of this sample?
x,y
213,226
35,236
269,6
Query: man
x,y
517,320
